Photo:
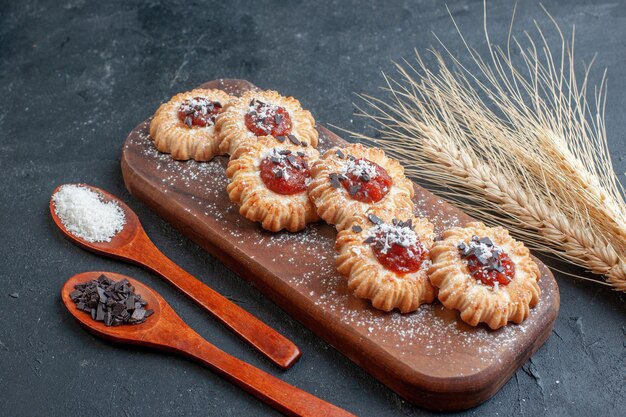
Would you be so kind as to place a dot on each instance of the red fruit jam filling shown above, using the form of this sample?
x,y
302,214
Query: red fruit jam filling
x,y
285,172
364,180
199,111
267,119
487,262
396,245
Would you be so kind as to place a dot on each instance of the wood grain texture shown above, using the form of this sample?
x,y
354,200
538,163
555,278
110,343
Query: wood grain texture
x,y
132,244
166,330
430,357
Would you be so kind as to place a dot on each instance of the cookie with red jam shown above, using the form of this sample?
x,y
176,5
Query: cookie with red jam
x,y
386,260
485,274
185,126
269,183
355,180
259,114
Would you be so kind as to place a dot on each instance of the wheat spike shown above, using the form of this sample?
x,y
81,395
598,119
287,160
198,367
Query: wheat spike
x,y
518,146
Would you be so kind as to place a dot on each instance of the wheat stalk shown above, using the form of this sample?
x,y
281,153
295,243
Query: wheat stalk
x,y
516,145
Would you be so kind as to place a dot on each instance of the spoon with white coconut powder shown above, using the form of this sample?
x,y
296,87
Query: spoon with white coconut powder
x,y
100,222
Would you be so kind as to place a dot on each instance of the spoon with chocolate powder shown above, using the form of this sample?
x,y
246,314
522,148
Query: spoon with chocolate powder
x,y
72,207
164,329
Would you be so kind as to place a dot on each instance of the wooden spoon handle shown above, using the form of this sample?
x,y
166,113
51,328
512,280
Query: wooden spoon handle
x,y
283,397
277,348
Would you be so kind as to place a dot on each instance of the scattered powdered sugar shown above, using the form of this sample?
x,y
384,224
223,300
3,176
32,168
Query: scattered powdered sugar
x,y
196,106
388,234
205,180
85,215
309,240
281,158
358,168
482,253
441,220
263,111
305,263
482,248
200,111
431,331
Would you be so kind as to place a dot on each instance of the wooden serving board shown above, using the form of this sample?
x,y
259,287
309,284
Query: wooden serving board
x,y
430,357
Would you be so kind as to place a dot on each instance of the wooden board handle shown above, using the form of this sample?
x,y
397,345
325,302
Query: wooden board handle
x,y
276,347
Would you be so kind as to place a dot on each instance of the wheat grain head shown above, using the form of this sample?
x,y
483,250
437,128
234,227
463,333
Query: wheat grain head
x,y
512,144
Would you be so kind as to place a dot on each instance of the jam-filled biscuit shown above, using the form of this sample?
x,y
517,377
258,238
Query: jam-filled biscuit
x,y
269,183
386,260
356,179
485,274
265,113
185,126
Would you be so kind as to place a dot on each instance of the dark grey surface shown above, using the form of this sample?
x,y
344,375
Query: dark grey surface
x,y
76,77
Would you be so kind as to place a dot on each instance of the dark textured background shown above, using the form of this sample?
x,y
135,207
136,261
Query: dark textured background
x,y
77,76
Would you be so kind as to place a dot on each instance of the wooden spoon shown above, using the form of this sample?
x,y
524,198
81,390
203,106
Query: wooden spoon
x,y
133,245
166,330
